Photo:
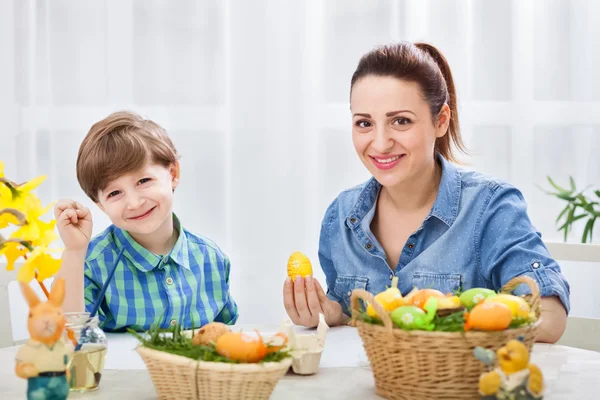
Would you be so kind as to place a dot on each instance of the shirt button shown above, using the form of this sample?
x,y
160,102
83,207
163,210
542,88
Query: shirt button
x,y
410,246
391,277
173,322
169,281
368,246
353,220
350,293
536,265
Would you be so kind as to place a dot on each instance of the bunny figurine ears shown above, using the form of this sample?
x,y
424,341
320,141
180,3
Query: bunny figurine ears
x,y
56,297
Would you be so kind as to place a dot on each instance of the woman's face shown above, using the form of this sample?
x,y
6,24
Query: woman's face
x,y
392,129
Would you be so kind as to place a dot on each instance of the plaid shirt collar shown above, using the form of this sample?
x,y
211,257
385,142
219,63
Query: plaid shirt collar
x,y
145,260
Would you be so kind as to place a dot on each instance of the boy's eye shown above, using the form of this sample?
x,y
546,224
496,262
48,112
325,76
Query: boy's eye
x,y
402,121
363,124
144,180
113,194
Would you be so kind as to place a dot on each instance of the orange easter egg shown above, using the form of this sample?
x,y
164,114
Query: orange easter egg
x,y
241,347
420,298
489,317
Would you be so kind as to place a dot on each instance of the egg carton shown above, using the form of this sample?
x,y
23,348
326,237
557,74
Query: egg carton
x,y
306,348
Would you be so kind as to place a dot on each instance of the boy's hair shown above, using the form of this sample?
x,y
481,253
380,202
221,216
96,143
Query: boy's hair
x,y
119,144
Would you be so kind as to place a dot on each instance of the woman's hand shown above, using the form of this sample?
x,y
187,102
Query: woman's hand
x,y
305,299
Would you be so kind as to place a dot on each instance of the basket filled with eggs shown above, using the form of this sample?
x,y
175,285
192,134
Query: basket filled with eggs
x,y
420,346
213,362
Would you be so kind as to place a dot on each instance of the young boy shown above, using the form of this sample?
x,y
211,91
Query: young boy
x,y
128,166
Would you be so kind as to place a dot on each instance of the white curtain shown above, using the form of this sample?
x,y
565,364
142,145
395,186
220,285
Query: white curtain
x,y
255,96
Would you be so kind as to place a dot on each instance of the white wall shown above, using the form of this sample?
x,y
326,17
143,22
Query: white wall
x,y
255,96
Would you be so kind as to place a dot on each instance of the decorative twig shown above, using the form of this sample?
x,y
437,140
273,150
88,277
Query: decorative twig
x,y
42,286
16,213
23,243
8,183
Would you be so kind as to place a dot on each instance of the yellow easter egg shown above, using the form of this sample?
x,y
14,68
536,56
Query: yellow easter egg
x,y
298,264
390,299
518,306
448,303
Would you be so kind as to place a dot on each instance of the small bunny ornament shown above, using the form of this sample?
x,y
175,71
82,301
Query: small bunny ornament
x,y
43,359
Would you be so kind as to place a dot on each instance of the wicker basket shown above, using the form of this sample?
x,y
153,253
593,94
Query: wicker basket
x,y
177,377
417,365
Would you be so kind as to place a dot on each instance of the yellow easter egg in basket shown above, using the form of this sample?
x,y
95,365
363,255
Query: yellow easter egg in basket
x,y
518,305
298,264
389,299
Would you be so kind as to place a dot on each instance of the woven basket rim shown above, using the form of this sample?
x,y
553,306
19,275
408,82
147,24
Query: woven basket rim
x,y
472,334
214,366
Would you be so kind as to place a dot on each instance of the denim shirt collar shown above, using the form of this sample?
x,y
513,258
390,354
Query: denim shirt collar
x,y
445,207
145,260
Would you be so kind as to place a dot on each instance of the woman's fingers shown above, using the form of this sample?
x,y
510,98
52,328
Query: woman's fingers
x,y
288,301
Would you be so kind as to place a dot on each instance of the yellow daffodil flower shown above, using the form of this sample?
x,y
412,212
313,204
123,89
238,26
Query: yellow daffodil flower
x,y
17,197
36,231
20,207
45,265
12,251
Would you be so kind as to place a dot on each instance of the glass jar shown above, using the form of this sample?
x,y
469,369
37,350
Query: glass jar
x,y
87,363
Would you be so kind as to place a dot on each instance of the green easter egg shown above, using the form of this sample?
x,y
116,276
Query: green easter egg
x,y
409,317
473,296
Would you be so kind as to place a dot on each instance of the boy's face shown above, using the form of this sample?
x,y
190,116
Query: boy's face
x,y
140,202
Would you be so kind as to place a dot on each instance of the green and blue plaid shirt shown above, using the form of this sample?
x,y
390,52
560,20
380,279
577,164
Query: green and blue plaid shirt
x,y
190,285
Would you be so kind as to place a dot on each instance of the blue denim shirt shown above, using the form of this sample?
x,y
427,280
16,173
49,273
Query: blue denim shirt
x,y
477,234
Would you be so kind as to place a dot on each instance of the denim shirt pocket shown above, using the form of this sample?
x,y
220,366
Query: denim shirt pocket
x,y
445,283
344,285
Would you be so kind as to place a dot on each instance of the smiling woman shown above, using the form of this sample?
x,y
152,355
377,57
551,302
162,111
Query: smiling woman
x,y
420,218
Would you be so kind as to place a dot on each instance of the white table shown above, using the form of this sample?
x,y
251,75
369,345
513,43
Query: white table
x,y
569,373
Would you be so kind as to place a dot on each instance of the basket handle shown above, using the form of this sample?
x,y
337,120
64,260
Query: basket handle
x,y
361,294
534,300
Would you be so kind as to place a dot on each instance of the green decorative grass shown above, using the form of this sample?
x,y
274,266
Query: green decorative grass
x,y
172,341
454,322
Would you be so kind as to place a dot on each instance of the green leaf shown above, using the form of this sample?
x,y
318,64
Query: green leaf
x,y
555,185
566,226
578,217
586,230
569,220
589,208
572,182
597,193
566,196
562,213
592,228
